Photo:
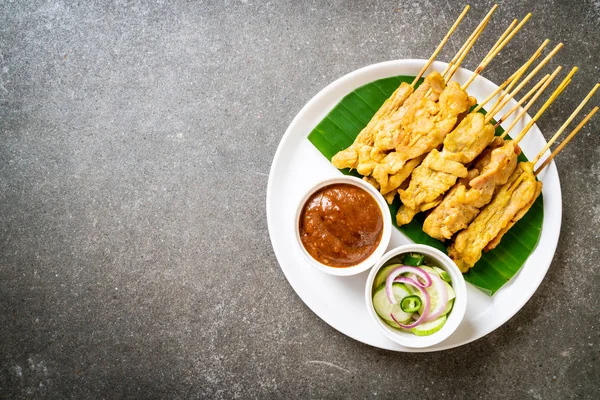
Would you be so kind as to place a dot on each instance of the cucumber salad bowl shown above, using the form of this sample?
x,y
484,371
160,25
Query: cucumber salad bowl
x,y
416,295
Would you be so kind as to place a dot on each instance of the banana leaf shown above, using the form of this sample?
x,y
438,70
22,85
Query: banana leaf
x,y
340,127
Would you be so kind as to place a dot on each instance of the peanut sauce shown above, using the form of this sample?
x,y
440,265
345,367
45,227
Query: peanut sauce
x,y
341,225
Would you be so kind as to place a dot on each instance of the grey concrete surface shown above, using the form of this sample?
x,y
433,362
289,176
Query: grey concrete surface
x,y
135,262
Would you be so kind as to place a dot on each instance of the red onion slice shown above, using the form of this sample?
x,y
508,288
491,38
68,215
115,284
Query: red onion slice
x,y
439,286
425,298
401,270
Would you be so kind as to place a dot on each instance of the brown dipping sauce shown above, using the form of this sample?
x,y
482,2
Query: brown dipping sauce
x,y
341,225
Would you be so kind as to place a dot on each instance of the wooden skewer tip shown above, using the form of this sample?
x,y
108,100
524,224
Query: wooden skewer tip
x,y
566,141
523,99
441,45
530,103
566,123
464,50
501,102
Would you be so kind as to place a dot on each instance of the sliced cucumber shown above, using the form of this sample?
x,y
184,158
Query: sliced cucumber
x,y
438,271
434,297
413,290
399,315
381,304
385,309
428,269
382,274
395,325
443,274
451,292
429,328
448,307
400,291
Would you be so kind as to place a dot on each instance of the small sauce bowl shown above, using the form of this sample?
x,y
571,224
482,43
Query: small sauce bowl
x,y
385,235
455,317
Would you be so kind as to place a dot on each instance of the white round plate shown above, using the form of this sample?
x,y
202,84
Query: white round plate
x,y
339,301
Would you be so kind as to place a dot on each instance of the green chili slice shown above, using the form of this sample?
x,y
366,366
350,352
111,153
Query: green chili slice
x,y
413,259
410,304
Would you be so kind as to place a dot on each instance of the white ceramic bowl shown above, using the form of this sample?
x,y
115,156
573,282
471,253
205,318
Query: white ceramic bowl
x,y
385,236
454,318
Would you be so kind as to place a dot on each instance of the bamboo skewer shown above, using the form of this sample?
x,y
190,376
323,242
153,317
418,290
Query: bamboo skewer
x,y
547,104
518,73
440,46
538,89
516,183
462,53
510,82
481,65
495,50
540,112
567,140
501,102
502,37
500,43
498,90
523,100
566,124
455,67
531,102
506,97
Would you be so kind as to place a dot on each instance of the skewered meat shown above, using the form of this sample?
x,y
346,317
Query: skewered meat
x,y
424,97
427,131
376,159
522,211
511,202
440,170
385,122
425,116
464,201
348,158
392,182
423,129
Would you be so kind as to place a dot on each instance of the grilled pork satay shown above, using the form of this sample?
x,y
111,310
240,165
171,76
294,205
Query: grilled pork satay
x,y
348,158
490,171
432,108
374,151
390,183
371,157
518,215
371,145
432,179
422,145
426,132
464,201
439,171
428,120
511,202
427,127
423,101
362,145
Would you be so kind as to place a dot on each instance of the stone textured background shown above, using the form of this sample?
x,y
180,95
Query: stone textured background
x,y
136,140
